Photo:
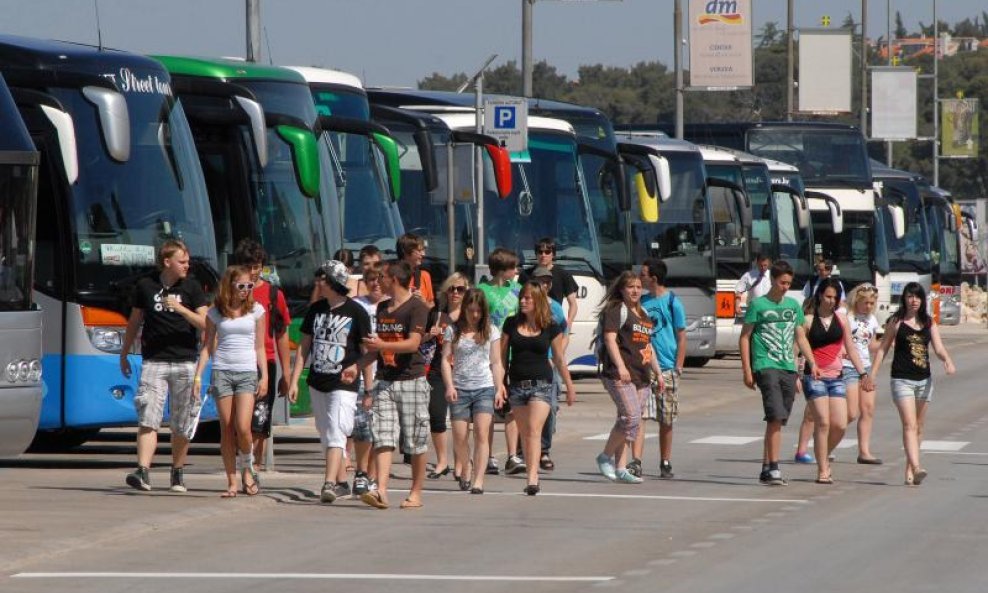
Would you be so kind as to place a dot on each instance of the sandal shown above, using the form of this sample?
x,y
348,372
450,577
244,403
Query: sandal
x,y
546,463
408,503
825,480
230,493
373,498
476,490
253,488
464,483
918,476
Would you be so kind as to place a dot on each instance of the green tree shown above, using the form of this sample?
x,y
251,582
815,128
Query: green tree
x,y
900,28
769,35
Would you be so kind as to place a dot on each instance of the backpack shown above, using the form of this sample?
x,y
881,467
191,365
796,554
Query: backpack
x,y
276,323
597,345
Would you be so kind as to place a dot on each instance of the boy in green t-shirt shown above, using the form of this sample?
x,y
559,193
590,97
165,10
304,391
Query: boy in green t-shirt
x,y
773,327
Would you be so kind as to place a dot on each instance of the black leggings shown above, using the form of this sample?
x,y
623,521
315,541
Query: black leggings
x,y
438,406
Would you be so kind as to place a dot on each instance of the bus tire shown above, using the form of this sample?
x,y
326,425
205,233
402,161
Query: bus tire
x,y
695,361
57,441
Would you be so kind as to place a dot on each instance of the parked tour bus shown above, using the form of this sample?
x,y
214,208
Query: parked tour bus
x,y
684,237
834,164
118,177
945,240
910,255
365,159
20,319
548,199
269,177
794,234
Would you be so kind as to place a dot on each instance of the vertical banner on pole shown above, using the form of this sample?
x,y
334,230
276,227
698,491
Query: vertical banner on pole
x,y
959,131
720,44
824,71
893,103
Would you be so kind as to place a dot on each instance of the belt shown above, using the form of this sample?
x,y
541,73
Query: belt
x,y
529,384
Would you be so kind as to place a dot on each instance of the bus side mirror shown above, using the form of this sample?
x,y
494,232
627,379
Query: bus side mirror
x,y
836,218
305,157
898,220
65,130
648,204
258,127
427,156
501,160
663,176
389,147
113,118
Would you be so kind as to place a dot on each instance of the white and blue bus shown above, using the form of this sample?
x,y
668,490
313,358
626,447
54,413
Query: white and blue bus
x,y
118,176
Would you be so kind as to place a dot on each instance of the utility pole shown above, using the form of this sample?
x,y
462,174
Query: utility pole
x,y
253,30
677,53
888,50
477,80
791,65
526,47
864,68
936,96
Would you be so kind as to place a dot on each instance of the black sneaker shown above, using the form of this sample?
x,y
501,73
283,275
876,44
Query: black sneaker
x,y
634,467
665,470
328,494
775,478
514,465
361,483
764,477
342,489
492,469
139,479
178,480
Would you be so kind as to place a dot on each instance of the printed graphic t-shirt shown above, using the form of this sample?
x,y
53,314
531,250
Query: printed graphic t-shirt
x,y
634,340
863,329
774,333
337,334
166,335
502,301
397,325
472,361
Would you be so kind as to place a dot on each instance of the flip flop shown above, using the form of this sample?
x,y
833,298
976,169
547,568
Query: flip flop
x,y
373,499
918,476
411,504
231,493
825,480
250,489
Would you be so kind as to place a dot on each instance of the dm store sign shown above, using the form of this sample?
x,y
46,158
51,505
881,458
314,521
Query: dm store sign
x,y
720,44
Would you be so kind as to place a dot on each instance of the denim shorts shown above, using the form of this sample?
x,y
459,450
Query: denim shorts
x,y
851,375
520,394
225,383
813,388
922,390
470,402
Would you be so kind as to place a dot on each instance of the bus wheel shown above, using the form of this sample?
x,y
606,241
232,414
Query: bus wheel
x,y
695,361
61,440
207,432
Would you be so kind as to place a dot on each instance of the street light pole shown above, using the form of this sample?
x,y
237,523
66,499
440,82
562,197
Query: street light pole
x,y
864,68
253,30
936,96
677,53
526,47
791,65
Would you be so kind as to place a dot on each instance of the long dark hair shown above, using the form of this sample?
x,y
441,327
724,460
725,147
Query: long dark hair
x,y
476,297
912,289
812,304
614,297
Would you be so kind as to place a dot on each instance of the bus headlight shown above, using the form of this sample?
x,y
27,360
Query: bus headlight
x,y
708,321
34,375
107,339
12,372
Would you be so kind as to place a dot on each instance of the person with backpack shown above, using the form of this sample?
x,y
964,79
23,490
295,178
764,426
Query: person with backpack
x,y
669,344
277,347
627,357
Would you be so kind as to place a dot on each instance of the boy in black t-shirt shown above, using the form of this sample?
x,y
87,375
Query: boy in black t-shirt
x,y
171,307
332,332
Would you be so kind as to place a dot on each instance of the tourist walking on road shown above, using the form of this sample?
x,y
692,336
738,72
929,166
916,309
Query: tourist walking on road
x,y
363,440
864,333
628,363
277,346
825,389
473,378
169,308
332,333
668,315
773,328
234,339
911,331
525,344
411,250
399,402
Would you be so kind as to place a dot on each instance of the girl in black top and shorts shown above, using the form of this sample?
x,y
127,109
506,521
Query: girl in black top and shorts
x,y
912,332
526,343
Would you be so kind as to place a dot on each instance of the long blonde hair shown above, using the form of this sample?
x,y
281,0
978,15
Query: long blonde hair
x,y
228,293
455,277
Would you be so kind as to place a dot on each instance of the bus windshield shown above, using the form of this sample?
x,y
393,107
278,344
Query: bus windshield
x,y
121,212
729,236
824,156
681,237
795,244
369,215
911,253
852,249
603,175
18,184
944,241
548,199
763,225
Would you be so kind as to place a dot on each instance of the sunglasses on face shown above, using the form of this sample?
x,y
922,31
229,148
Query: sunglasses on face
x,y
457,289
244,285
546,251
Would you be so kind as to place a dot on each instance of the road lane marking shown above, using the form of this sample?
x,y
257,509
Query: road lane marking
x,y
956,453
605,435
725,440
305,576
658,497
943,445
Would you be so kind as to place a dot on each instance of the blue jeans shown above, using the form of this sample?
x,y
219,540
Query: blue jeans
x,y
813,389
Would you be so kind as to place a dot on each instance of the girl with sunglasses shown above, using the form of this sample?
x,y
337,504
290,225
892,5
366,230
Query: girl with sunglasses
x,y
234,339
446,312
912,332
864,333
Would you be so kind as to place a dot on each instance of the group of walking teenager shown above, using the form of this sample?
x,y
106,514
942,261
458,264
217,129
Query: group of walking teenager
x,y
393,363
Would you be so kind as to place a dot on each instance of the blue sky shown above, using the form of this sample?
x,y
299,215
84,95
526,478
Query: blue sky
x,y
398,42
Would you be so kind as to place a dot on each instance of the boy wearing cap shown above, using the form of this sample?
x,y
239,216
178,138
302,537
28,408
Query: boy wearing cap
x,y
332,332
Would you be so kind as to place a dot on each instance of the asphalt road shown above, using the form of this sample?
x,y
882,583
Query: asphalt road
x,y
69,522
